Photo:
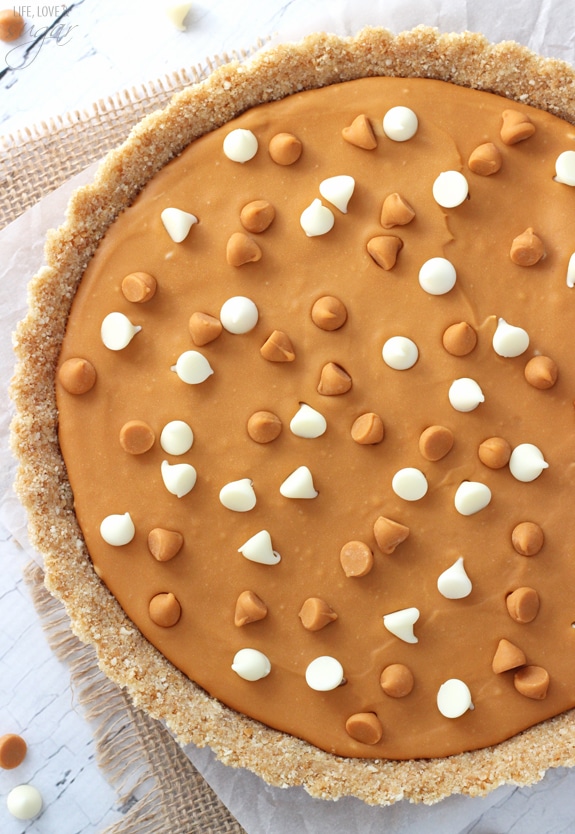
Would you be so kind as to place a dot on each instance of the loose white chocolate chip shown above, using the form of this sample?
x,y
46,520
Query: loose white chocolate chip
x,y
465,394
324,674
308,422
259,549
527,462
317,219
508,340
176,438
400,124
454,583
117,331
437,276
178,478
409,484
176,13
400,624
239,315
471,497
192,367
571,271
454,698
400,353
240,145
24,802
251,664
565,168
238,496
450,189
118,530
299,484
178,223
338,191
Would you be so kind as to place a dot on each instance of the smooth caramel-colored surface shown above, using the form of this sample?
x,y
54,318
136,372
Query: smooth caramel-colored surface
x,y
456,638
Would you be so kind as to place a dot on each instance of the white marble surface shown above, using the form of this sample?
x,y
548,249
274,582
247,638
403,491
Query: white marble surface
x,y
101,47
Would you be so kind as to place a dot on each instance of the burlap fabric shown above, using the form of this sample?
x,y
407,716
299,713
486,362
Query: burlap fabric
x,y
159,790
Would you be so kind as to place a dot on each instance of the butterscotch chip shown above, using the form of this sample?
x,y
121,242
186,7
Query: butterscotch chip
x,y
532,681
77,375
13,751
278,348
459,339
136,437
164,544
204,328
334,380
285,148
241,250
541,372
435,442
389,534
523,605
165,610
507,656
527,248
356,559
329,313
495,452
264,426
384,249
368,429
11,25
364,727
315,614
527,538
485,160
139,287
395,211
360,133
396,680
516,127
257,216
249,609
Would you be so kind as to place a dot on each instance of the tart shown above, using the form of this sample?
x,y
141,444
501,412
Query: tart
x,y
294,415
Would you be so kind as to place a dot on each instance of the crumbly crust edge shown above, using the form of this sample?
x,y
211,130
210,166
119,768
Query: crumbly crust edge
x,y
467,59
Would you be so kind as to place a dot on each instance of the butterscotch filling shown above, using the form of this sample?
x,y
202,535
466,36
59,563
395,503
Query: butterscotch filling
x,y
316,407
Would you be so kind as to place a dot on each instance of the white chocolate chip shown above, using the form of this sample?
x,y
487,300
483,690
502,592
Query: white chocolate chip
x,y
259,549
400,624
565,168
251,664
240,145
465,394
409,484
117,331
176,13
527,462
192,367
317,219
400,353
178,478
338,191
118,529
178,223
24,802
454,583
239,315
571,271
437,276
324,674
471,497
450,189
400,124
308,422
176,438
454,698
509,340
299,484
238,496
